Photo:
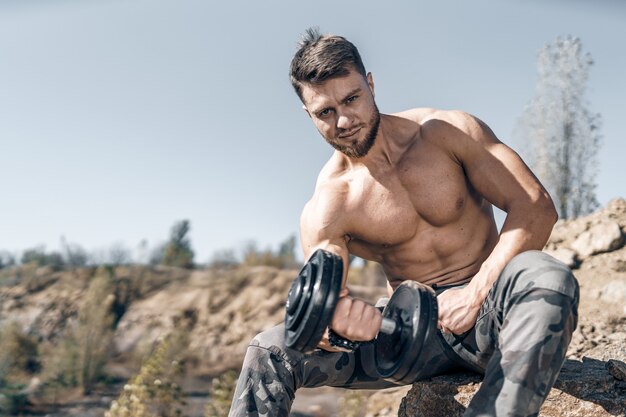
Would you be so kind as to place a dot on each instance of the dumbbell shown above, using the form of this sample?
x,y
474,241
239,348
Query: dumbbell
x,y
409,318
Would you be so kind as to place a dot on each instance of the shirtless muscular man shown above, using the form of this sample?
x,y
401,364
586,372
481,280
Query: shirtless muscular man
x,y
414,191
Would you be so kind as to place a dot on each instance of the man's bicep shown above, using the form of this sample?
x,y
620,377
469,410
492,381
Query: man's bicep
x,y
316,232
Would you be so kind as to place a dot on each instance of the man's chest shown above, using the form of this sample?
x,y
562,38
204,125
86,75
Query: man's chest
x,y
391,209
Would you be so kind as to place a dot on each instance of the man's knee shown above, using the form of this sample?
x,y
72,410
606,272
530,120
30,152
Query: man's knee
x,y
271,344
271,337
536,270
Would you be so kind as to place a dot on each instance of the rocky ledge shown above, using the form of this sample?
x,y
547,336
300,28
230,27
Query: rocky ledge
x,y
587,388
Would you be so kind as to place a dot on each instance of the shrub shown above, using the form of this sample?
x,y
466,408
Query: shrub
x,y
13,400
155,391
221,394
284,258
19,358
80,357
18,353
352,404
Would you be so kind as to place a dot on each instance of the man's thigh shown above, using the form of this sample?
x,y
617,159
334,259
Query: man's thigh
x,y
532,285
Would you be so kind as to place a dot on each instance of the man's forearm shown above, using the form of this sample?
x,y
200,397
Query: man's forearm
x,y
525,228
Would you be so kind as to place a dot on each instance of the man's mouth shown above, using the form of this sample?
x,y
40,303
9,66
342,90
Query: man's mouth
x,y
349,134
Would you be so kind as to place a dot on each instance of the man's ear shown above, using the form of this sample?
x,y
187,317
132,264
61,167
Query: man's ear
x,y
306,110
370,82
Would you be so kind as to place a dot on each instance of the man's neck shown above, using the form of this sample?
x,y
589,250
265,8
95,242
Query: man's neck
x,y
394,136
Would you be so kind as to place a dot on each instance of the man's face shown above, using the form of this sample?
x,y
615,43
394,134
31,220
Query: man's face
x,y
344,112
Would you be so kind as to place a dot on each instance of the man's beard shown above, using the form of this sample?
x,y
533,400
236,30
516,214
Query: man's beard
x,y
360,149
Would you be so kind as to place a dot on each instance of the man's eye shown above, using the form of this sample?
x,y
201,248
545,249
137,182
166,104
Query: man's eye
x,y
324,113
351,99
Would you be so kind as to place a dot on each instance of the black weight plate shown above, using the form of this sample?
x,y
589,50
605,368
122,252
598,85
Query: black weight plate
x,y
311,319
299,303
299,296
312,300
413,306
332,275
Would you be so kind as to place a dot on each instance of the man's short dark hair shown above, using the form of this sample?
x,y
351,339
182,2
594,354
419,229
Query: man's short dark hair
x,y
320,57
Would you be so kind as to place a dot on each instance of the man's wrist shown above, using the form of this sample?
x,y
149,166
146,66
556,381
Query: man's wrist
x,y
481,284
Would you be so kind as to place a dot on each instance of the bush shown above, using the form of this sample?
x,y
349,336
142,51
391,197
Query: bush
x,y
284,258
13,400
80,357
18,353
19,358
221,394
155,391
352,404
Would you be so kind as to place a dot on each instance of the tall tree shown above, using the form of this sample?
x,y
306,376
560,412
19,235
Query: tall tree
x,y
561,135
178,250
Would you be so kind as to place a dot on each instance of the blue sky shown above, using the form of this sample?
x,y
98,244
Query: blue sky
x,y
118,118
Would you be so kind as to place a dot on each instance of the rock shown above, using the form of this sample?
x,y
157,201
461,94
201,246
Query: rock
x,y
583,389
614,292
617,369
616,206
565,255
619,265
603,237
446,395
385,403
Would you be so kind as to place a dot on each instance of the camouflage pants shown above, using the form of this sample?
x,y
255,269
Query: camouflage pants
x,y
519,344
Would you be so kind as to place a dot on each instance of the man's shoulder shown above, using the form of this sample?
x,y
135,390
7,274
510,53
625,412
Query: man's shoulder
x,y
332,181
417,114
331,189
448,127
439,118
326,209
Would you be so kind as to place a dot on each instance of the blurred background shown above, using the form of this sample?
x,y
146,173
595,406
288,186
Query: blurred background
x,y
120,118
154,162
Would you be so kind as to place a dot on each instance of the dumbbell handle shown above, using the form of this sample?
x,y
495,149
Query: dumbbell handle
x,y
387,326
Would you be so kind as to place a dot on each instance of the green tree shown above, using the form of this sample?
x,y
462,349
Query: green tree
x,y
39,257
6,259
75,255
178,250
561,134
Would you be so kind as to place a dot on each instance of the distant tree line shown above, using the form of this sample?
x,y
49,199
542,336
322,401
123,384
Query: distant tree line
x,y
252,254
176,251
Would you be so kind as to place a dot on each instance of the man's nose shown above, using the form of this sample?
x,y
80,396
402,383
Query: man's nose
x,y
344,121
